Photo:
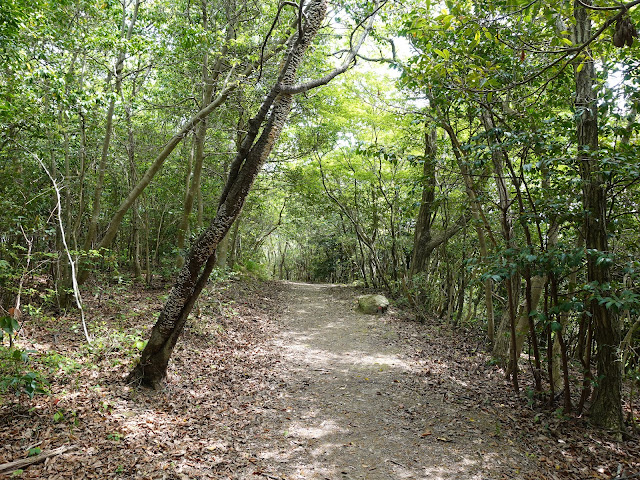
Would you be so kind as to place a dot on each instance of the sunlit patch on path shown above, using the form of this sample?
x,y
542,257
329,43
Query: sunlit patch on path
x,y
352,405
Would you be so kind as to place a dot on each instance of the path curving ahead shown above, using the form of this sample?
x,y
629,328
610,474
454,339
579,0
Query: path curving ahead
x,y
354,405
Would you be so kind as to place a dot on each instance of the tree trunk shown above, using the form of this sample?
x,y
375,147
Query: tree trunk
x,y
513,281
223,252
480,223
606,405
422,235
147,253
181,234
193,192
233,252
194,187
152,367
563,318
523,319
135,213
75,229
424,243
97,195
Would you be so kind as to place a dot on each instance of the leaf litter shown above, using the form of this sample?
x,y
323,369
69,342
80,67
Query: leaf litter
x,y
286,381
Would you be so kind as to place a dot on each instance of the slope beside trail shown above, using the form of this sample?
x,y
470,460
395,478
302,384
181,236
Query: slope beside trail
x,y
357,403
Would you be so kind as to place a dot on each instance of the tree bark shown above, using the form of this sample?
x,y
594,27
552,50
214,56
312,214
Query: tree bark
x,y
422,235
606,404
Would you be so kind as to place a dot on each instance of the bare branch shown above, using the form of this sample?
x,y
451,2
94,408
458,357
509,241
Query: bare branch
x,y
273,26
300,14
25,462
63,235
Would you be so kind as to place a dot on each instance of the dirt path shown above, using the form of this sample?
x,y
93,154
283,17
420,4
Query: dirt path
x,y
356,406
316,392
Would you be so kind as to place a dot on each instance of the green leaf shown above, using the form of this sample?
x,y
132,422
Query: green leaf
x,y
443,53
34,451
556,326
446,21
9,324
20,356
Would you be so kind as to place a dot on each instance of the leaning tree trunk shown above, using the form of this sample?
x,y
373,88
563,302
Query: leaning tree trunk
x,y
480,223
152,367
606,405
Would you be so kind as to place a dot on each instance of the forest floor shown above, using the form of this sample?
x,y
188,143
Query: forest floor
x,y
286,381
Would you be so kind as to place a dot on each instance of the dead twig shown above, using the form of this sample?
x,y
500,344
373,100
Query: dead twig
x,y
25,462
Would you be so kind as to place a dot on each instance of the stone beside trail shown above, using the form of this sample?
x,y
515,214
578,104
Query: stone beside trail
x,y
355,405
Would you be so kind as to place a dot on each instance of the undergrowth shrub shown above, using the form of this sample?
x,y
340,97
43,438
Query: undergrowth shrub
x,y
15,375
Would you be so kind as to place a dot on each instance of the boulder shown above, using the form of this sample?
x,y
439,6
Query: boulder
x,y
373,304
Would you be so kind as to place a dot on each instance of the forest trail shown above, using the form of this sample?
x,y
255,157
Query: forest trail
x,y
356,405
282,381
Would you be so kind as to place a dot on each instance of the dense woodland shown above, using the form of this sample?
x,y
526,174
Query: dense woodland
x,y
476,161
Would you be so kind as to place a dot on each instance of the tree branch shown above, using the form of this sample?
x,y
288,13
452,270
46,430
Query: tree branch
x,y
576,51
353,52
448,233
273,26
25,462
621,6
261,240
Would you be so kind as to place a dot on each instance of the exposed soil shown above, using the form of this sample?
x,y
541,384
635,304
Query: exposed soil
x,y
288,381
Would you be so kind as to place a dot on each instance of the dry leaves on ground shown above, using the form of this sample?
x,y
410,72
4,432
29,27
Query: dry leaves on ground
x,y
223,396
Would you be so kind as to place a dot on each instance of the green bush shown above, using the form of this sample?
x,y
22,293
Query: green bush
x,y
256,269
15,377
